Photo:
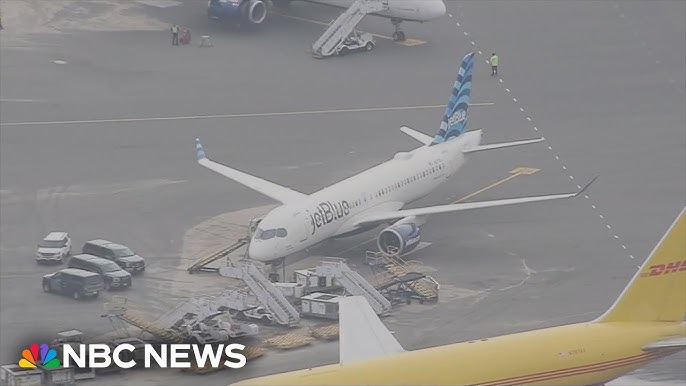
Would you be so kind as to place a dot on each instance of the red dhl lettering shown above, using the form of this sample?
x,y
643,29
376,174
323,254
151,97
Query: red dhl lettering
x,y
663,269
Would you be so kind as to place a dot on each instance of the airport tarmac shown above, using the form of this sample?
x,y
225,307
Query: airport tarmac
x,y
602,81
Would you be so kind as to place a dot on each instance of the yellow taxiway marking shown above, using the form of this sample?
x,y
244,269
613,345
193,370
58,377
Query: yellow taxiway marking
x,y
407,42
240,115
522,171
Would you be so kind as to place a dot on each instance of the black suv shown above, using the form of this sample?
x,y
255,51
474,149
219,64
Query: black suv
x,y
113,276
118,253
76,283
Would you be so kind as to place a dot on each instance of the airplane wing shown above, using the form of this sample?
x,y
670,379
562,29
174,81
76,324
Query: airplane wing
x,y
362,335
502,145
376,217
667,344
270,189
421,137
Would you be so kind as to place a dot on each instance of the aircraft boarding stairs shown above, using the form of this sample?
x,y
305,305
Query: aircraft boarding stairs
x,y
399,271
116,309
201,263
332,39
355,284
204,306
266,292
203,258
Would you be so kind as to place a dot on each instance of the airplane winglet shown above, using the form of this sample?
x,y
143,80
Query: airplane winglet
x,y
200,152
583,189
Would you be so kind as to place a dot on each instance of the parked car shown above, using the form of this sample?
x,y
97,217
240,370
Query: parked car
x,y
120,254
55,247
112,274
73,282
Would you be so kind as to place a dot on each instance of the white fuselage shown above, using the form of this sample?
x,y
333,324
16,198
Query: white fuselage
x,y
334,210
410,10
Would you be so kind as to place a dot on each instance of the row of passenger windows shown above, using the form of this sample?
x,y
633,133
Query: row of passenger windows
x,y
426,173
270,233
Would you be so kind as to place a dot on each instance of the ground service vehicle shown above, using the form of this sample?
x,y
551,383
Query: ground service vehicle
x,y
112,274
73,282
54,247
120,254
357,42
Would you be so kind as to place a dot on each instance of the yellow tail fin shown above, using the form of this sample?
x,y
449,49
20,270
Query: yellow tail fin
x,y
658,290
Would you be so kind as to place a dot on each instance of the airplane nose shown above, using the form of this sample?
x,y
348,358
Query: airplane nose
x,y
263,251
438,9
258,251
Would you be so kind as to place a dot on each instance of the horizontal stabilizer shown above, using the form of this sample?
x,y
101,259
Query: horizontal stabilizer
x,y
362,335
502,145
667,344
421,137
378,217
269,189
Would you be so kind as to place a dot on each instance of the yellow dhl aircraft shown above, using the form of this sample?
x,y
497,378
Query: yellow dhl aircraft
x,y
644,324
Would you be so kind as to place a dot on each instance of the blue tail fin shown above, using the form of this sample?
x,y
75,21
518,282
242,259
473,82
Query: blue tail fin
x,y
455,116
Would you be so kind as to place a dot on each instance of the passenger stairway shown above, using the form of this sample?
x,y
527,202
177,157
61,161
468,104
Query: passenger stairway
x,y
355,284
266,292
201,263
332,39
117,309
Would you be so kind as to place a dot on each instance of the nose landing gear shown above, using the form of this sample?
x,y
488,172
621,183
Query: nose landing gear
x,y
274,266
398,35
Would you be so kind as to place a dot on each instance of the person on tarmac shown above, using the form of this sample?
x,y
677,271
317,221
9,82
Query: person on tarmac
x,y
494,64
175,35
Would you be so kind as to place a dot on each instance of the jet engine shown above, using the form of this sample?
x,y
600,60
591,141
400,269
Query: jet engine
x,y
402,238
237,11
254,11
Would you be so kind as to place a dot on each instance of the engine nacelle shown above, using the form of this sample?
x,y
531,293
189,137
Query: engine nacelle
x,y
237,11
255,11
402,238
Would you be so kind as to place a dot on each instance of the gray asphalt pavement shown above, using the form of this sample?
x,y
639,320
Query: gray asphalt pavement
x,y
603,81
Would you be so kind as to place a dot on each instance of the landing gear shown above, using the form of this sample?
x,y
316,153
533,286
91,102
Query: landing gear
x,y
274,276
398,35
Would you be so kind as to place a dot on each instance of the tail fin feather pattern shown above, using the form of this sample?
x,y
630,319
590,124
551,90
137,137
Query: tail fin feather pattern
x,y
455,115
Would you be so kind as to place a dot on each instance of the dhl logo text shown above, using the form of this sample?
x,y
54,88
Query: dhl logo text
x,y
663,269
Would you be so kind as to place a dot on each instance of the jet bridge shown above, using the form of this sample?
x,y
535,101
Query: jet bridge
x,y
334,37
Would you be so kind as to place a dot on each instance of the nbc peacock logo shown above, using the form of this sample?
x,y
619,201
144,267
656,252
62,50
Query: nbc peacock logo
x,y
48,357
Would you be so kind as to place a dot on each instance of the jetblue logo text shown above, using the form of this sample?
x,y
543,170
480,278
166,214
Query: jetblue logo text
x,y
663,269
173,356
457,117
328,212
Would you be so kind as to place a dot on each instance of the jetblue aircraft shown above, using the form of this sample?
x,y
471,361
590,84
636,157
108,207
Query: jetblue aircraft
x,y
255,11
375,196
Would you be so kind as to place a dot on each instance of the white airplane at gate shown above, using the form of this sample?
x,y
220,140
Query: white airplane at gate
x,y
255,11
377,195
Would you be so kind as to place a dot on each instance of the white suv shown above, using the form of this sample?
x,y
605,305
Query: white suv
x,y
54,247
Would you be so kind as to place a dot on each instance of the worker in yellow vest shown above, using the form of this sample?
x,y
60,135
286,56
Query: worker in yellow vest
x,y
494,64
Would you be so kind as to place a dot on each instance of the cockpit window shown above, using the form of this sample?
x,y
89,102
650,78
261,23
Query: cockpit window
x,y
268,234
261,234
